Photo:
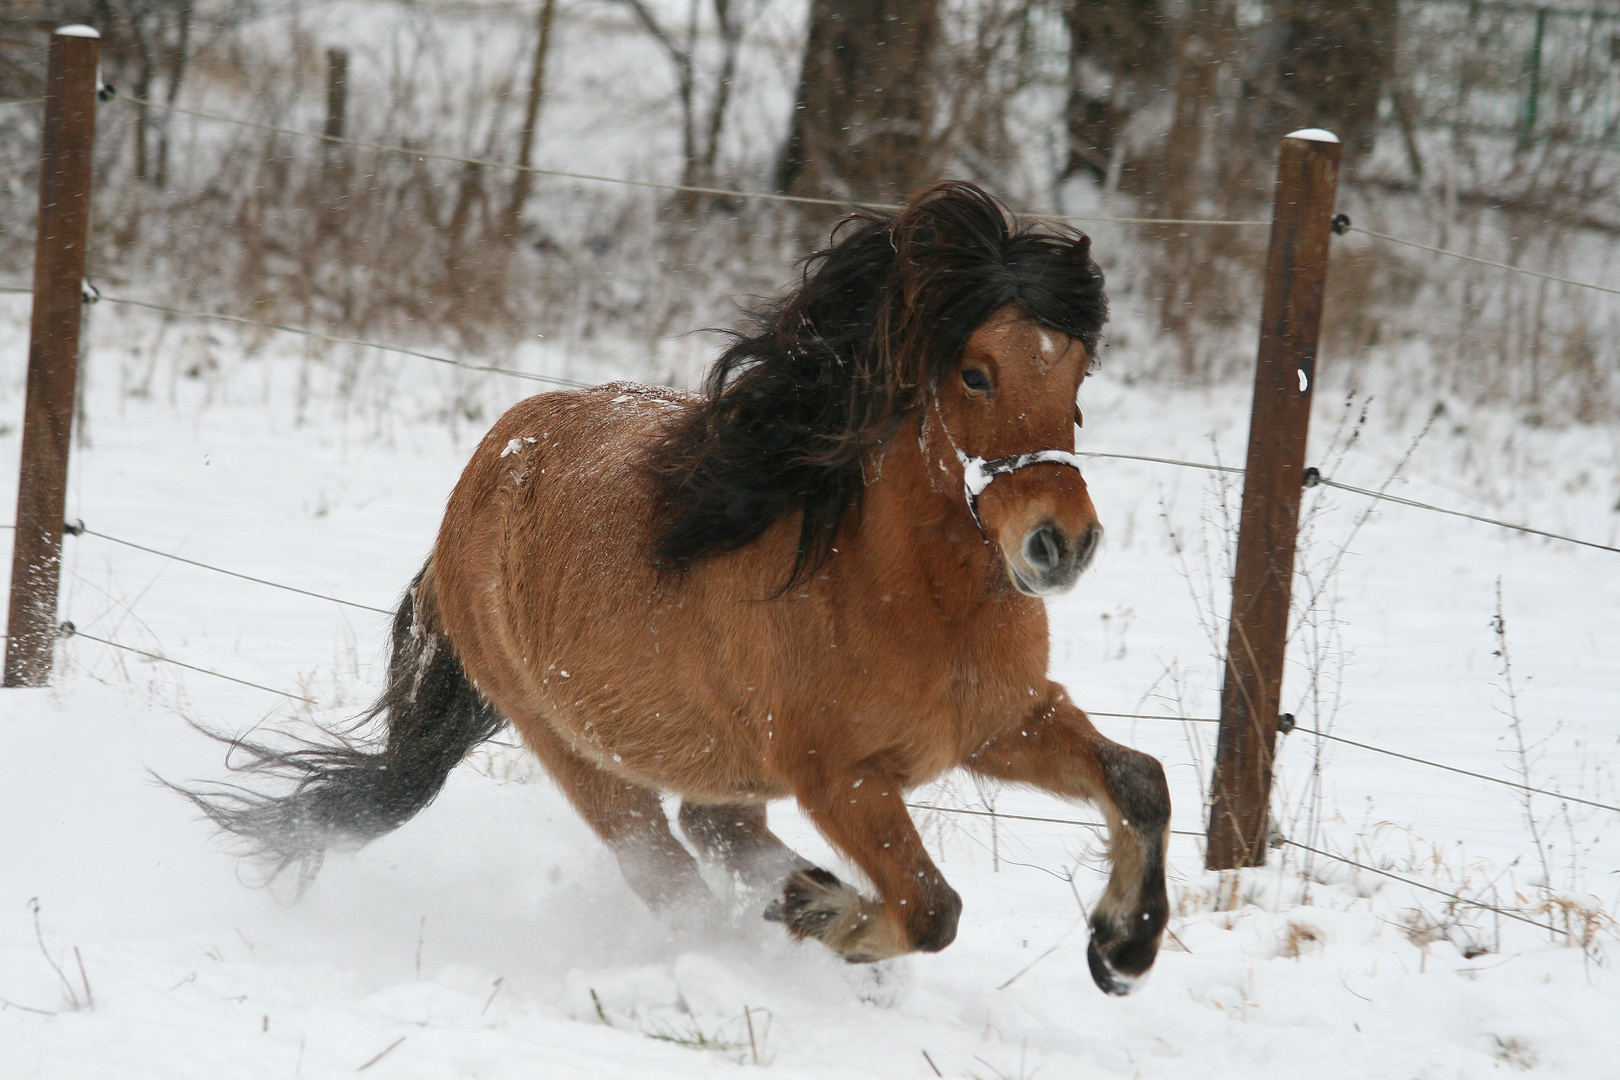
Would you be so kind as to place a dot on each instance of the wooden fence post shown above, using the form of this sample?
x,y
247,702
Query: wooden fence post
x,y
68,140
1290,318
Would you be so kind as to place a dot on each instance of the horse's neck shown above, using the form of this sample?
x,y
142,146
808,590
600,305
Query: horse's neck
x,y
915,522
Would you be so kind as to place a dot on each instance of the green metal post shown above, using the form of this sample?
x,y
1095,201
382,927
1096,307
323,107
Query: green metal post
x,y
1532,100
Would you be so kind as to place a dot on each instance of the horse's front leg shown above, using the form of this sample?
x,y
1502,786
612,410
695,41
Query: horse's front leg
x,y
859,809
1056,748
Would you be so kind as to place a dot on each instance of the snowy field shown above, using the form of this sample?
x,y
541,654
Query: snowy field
x,y
493,936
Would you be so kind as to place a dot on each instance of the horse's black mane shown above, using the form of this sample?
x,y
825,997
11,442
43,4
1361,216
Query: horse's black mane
x,y
791,410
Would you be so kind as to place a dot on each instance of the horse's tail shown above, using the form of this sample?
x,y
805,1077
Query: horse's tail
x,y
356,786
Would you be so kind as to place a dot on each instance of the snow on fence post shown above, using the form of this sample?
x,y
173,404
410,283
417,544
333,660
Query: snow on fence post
x,y
67,143
1290,318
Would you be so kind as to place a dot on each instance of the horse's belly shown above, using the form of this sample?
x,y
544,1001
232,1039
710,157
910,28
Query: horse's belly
x,y
691,755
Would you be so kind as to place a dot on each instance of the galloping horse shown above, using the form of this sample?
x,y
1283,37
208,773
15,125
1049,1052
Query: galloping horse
x,y
820,579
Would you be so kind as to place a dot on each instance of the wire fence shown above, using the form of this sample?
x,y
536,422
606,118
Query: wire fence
x,y
595,178
1330,737
1484,262
1456,898
1312,477
340,340
78,528
1386,497
68,630
803,200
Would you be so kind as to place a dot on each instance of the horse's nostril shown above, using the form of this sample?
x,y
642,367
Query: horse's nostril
x,y
1044,548
1085,545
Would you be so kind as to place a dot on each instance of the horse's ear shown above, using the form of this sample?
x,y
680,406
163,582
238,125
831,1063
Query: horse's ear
x,y
950,214
1081,244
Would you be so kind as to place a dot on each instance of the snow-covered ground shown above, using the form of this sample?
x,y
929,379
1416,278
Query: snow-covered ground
x,y
493,936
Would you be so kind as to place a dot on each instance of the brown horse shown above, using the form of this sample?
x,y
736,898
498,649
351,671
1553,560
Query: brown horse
x,y
821,579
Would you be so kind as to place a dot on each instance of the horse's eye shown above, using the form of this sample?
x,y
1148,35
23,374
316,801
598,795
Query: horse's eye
x,y
976,380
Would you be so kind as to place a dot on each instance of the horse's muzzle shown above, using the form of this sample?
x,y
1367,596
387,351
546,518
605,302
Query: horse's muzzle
x,y
1049,561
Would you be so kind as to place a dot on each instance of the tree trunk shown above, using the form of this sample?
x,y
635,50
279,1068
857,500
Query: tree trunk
x,y
177,74
862,122
1332,65
1129,44
701,171
523,182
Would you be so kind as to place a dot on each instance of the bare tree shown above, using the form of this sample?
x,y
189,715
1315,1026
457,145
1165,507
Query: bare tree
x,y
862,121
1323,65
1119,52
523,182
703,115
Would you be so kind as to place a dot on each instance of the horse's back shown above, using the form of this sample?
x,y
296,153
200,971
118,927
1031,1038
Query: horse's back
x,y
555,503
551,598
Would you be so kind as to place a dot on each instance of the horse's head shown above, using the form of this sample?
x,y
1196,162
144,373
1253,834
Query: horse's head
x,y
949,313
1003,319
1005,416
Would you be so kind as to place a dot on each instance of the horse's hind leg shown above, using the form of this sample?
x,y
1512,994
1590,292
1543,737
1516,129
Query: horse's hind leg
x,y
1058,749
630,819
735,836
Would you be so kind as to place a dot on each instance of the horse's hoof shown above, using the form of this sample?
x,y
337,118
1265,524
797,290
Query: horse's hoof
x,y
1109,979
811,900
815,904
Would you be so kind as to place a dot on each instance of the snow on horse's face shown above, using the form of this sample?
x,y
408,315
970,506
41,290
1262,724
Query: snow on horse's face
x,y
1004,420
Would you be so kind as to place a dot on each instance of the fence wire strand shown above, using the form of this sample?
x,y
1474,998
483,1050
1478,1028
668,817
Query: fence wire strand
x,y
1509,912
1325,482
1206,466
338,339
232,573
1027,817
1516,785
558,380
564,174
1465,772
69,630
1485,262
1159,461
798,199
